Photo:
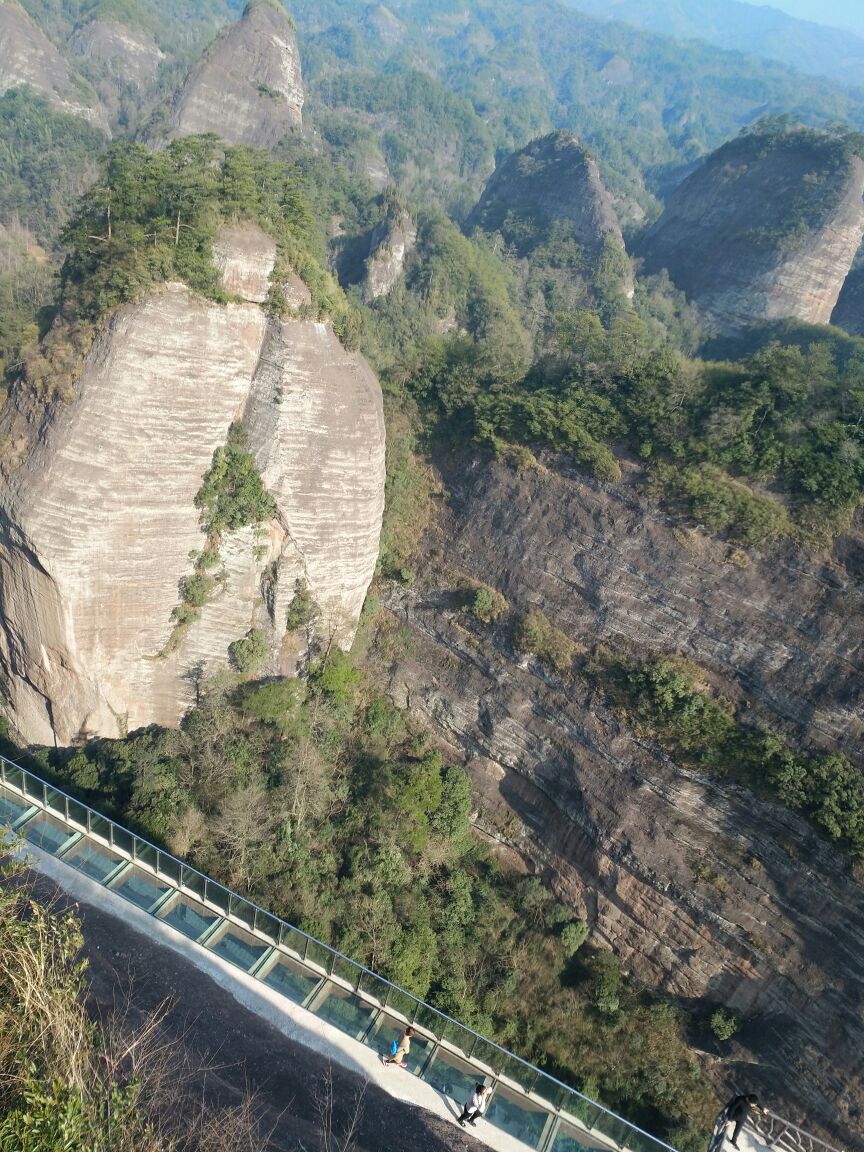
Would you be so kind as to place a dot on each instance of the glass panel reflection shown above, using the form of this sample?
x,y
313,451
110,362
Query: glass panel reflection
x,y
345,1011
292,979
452,1076
46,832
92,859
11,808
139,888
189,917
518,1117
239,947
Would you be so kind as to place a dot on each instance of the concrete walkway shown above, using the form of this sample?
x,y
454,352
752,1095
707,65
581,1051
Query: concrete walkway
x,y
292,1020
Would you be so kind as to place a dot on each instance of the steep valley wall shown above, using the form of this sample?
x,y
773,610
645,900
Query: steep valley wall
x,y
701,889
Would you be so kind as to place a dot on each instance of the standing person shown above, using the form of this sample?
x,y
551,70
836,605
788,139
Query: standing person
x,y
401,1049
476,1106
738,1111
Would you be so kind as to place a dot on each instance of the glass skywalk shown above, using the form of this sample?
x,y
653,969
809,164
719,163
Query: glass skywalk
x,y
526,1103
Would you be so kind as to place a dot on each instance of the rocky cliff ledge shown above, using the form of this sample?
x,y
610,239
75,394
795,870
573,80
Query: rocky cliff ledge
x,y
247,88
700,888
766,228
98,523
392,240
28,57
128,55
553,180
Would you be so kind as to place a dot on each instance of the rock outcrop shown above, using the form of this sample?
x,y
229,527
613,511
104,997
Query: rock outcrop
x,y
702,890
98,523
553,180
766,229
247,88
27,57
129,55
392,240
849,311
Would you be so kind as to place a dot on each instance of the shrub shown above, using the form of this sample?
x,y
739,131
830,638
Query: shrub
x,y
302,609
537,635
573,936
197,589
488,604
724,1024
277,703
232,494
247,655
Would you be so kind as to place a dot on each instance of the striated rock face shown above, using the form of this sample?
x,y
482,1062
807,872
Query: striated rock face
x,y
247,88
98,523
28,57
701,889
766,229
391,242
129,55
553,180
245,256
849,311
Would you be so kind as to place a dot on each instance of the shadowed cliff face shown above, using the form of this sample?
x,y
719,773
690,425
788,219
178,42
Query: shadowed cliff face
x,y
247,88
27,56
700,888
98,522
767,228
391,243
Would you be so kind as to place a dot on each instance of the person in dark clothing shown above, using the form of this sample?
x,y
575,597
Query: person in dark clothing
x,y
737,1112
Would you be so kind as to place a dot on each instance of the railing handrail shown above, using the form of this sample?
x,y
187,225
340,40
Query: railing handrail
x,y
787,1124
354,963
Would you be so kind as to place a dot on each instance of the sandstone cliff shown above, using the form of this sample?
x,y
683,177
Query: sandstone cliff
x,y
766,228
247,88
849,311
128,55
554,180
98,523
392,240
700,888
28,57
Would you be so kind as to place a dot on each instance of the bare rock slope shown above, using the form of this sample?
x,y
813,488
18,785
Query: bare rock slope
x,y
390,244
247,88
702,889
766,229
98,523
27,57
552,180
129,55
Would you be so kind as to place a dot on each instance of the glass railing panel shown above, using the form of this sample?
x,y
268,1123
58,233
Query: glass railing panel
x,y
237,946
522,1119
344,1010
218,896
11,808
487,1054
189,917
267,925
452,1076
292,979
168,867
193,881
56,801
524,1075
34,788
77,813
386,1029
121,839
319,955
346,970
374,986
558,1095
92,859
13,775
402,1002
456,1035
614,1129
139,888
145,853
100,827
46,832
291,938
242,910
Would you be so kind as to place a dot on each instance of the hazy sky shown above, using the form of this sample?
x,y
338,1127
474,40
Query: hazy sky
x,y
844,13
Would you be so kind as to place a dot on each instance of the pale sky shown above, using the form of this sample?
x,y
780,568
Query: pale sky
x,y
843,13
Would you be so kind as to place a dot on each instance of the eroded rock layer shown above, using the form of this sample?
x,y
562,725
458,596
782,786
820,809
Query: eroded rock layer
x,y
701,888
247,88
766,229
